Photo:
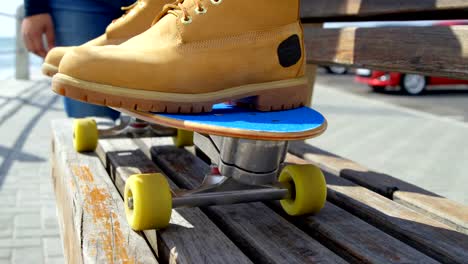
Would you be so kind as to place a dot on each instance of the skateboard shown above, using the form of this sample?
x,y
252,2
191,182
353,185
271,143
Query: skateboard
x,y
246,149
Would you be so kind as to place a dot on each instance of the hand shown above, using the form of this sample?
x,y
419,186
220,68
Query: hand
x,y
33,28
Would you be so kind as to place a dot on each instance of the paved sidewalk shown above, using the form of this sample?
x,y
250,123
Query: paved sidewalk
x,y
28,224
423,149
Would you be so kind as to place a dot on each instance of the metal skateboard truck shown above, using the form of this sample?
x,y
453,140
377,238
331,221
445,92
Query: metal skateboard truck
x,y
248,171
243,170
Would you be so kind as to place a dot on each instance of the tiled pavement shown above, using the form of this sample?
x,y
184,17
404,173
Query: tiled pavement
x,y
28,224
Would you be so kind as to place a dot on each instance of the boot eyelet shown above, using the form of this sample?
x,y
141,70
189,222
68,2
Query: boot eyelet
x,y
200,12
186,20
216,2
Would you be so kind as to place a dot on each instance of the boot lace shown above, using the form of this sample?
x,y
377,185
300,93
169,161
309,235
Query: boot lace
x,y
127,9
177,7
130,7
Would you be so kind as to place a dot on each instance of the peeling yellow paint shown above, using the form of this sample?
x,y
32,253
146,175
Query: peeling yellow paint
x,y
108,233
83,173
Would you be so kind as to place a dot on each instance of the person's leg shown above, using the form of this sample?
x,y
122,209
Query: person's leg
x,y
75,28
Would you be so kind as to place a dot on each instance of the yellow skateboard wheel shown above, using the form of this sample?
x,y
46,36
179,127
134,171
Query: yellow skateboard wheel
x,y
307,187
148,201
85,134
184,138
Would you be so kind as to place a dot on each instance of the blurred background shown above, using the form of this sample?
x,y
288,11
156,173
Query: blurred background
x,y
7,41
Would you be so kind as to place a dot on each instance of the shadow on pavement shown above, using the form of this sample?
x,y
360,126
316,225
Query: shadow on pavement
x,y
15,152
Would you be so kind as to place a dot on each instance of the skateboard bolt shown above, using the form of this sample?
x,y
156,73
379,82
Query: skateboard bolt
x,y
130,203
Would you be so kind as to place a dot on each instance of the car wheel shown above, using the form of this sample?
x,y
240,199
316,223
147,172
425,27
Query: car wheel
x,y
413,84
336,69
377,88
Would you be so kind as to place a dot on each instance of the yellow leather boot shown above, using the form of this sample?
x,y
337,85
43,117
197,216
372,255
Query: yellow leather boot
x,y
138,18
198,53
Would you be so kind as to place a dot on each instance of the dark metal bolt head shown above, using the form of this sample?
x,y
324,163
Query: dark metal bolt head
x,y
130,203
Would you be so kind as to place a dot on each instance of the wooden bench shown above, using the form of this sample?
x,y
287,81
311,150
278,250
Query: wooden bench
x,y
369,217
358,224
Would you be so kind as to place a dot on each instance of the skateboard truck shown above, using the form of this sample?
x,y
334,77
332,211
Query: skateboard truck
x,y
129,125
253,162
219,190
244,170
247,177
248,171
250,177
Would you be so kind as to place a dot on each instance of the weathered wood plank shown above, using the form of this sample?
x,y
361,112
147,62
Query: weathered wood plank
x,y
262,234
445,210
191,237
91,213
427,235
345,10
434,51
356,240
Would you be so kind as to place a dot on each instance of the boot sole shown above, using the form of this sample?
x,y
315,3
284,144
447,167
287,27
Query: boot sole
x,y
269,96
49,69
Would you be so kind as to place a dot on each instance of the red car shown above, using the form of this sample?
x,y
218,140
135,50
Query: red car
x,y
412,84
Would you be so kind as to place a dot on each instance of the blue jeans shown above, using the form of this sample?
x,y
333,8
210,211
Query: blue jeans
x,y
75,27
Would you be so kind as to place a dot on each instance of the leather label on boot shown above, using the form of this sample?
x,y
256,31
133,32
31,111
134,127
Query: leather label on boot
x,y
289,51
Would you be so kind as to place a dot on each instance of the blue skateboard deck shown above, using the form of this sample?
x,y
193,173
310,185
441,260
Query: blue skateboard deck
x,y
233,121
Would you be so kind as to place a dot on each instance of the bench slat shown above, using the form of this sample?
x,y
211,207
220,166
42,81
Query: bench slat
x,y
355,239
262,234
345,10
192,237
432,51
91,212
427,235
440,208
